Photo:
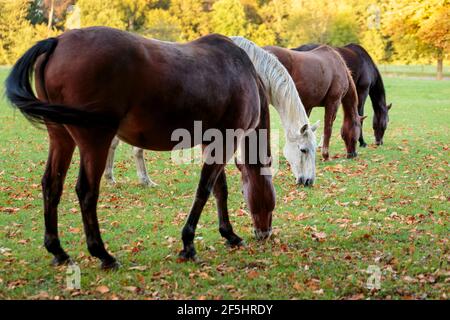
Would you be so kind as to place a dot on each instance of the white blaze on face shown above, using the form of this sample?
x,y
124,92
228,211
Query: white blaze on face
x,y
300,152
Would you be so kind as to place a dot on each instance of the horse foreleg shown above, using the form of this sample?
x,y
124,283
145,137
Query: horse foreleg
x,y
221,194
109,176
93,154
59,157
144,179
208,178
330,116
362,96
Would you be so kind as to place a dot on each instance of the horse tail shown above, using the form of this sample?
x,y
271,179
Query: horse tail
x,y
20,93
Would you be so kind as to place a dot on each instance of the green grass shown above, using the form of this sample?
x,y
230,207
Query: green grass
x,y
388,208
413,70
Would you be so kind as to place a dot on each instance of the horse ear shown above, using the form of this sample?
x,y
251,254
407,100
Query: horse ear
x,y
389,106
304,128
315,126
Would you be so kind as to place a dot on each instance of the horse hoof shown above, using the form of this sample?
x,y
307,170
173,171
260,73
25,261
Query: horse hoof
x,y
235,242
187,255
363,145
110,265
61,261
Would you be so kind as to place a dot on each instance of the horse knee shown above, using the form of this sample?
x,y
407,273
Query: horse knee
x,y
87,197
138,152
51,190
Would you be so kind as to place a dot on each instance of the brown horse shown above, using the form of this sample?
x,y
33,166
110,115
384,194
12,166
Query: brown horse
x,y
322,79
97,82
368,82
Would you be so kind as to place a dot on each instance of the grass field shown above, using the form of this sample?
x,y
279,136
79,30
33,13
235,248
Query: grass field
x,y
389,209
413,70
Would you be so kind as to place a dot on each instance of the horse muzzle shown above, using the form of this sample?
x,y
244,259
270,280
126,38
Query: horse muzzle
x,y
351,155
262,235
307,182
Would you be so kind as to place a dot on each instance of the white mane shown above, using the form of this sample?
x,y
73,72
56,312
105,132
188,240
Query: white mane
x,y
283,94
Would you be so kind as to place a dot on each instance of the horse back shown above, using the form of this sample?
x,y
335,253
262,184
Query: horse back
x,y
153,86
364,69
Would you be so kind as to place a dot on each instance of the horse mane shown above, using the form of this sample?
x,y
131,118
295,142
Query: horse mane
x,y
306,47
282,91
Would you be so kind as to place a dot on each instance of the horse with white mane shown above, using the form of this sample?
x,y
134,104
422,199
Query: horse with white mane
x,y
300,147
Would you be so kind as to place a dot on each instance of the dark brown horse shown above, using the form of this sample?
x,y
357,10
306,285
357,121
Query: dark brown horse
x,y
97,82
368,81
322,79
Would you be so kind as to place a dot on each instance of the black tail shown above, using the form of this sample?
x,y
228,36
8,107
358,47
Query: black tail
x,y
20,93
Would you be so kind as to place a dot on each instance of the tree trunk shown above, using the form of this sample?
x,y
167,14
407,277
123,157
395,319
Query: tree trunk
x,y
440,68
50,14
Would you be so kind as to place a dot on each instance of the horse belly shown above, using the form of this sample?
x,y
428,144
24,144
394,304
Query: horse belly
x,y
152,128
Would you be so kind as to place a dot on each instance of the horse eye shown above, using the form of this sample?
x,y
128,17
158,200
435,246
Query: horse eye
x,y
303,150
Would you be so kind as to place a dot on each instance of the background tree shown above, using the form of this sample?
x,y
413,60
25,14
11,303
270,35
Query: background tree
x,y
228,18
192,18
160,24
343,29
102,13
420,30
50,12
392,31
16,31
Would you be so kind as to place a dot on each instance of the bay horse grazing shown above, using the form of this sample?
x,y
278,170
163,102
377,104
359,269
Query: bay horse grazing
x,y
98,82
322,79
368,82
300,147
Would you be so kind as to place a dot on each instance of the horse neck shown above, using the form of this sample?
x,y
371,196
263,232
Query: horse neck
x,y
279,84
377,94
350,102
290,109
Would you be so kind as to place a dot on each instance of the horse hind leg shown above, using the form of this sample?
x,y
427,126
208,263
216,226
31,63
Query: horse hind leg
x,y
143,177
59,158
109,176
362,96
94,148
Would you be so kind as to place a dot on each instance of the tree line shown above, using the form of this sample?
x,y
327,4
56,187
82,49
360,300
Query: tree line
x,y
393,31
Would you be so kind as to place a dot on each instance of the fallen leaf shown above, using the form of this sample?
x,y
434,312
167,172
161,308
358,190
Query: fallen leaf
x,y
319,236
102,289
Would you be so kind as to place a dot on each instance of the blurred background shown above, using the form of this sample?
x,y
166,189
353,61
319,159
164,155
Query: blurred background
x,y
404,37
